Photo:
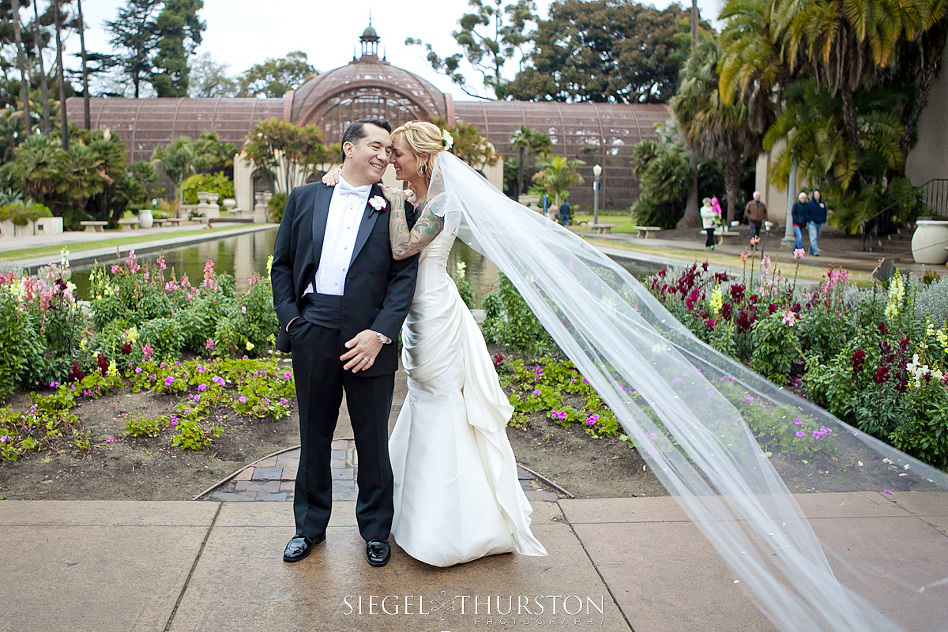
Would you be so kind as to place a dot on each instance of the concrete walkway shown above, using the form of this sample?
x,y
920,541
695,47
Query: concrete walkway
x,y
215,565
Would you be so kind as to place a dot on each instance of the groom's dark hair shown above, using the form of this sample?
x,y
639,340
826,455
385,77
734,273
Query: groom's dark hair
x,y
356,131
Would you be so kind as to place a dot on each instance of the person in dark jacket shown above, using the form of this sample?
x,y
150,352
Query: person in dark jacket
x,y
756,214
800,213
816,220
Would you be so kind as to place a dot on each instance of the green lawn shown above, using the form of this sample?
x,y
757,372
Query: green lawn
x,y
29,253
622,223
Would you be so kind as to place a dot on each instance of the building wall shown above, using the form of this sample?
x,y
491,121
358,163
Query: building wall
x,y
929,159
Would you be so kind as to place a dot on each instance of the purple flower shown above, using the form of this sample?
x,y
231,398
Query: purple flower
x,y
242,399
539,370
536,392
202,387
888,491
283,401
110,440
797,421
187,410
169,381
592,420
4,438
800,433
53,384
748,399
287,375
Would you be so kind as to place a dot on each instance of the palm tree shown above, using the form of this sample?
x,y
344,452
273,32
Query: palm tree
x,y
557,174
59,73
87,118
751,69
843,44
526,140
710,127
177,160
24,68
44,87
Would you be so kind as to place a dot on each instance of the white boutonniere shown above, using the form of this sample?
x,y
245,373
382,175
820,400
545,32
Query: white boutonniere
x,y
378,203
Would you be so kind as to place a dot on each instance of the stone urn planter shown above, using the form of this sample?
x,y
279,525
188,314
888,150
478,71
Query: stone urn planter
x,y
145,218
930,241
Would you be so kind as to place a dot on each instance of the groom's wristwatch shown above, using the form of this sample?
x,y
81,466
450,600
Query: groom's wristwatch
x,y
385,340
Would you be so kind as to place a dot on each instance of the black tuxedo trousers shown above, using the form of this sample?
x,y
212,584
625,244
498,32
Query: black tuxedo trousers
x,y
378,293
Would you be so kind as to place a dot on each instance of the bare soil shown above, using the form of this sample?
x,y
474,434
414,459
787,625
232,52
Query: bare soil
x,y
119,467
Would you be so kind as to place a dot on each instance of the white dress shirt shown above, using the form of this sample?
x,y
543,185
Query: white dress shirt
x,y
342,226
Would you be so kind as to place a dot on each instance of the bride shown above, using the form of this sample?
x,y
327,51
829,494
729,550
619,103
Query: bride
x,y
457,494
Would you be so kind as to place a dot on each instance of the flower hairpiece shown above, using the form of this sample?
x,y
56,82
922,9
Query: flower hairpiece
x,y
447,141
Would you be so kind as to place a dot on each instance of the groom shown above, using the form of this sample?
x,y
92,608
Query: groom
x,y
341,299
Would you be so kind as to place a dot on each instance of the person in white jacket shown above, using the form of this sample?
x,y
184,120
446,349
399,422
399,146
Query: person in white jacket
x,y
708,222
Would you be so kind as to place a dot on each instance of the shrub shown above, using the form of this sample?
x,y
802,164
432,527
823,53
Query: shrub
x,y
276,205
509,321
210,182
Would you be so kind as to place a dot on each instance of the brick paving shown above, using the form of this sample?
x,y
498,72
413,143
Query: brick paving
x,y
271,480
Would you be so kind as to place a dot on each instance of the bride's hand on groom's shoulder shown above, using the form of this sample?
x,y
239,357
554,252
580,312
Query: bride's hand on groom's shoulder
x,y
331,177
395,196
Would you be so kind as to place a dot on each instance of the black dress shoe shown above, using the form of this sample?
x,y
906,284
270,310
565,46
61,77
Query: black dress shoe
x,y
299,547
377,552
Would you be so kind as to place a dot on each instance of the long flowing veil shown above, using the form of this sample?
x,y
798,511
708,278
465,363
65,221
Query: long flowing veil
x,y
692,412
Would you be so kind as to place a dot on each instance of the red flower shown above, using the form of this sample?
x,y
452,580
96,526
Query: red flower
x,y
882,375
858,359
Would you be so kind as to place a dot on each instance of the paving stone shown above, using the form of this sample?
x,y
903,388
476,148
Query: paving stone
x,y
244,475
277,497
343,486
258,486
287,486
345,473
290,459
524,475
337,463
338,454
267,473
345,495
233,496
339,444
289,474
271,462
539,495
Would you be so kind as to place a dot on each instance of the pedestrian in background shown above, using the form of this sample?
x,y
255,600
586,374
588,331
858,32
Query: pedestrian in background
x,y
708,222
800,213
816,220
756,214
564,213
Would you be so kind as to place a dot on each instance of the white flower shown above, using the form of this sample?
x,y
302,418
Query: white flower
x,y
446,139
377,202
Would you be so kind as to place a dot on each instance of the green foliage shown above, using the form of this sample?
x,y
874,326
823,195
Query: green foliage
x,y
250,326
275,77
469,144
557,175
509,321
135,189
488,37
21,213
463,285
212,183
287,152
17,337
603,51
177,160
773,341
142,427
179,34
276,205
166,336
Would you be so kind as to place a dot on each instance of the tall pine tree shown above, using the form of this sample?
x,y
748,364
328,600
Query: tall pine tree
x,y
133,39
179,34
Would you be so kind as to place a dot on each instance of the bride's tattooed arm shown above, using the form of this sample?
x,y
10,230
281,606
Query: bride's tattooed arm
x,y
406,243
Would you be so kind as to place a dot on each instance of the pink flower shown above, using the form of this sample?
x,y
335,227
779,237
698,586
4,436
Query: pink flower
x,y
202,387
536,392
209,345
797,421
744,256
789,318
147,351
287,375
169,381
242,399
800,433
592,420
798,253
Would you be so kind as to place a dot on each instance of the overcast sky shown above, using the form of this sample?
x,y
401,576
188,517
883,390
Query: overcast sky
x,y
241,33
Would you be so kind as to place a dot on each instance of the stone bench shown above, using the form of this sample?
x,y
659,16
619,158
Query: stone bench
x,y
94,227
128,223
173,221
601,228
643,231
734,237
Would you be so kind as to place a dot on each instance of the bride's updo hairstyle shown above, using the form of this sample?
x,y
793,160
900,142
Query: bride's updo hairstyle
x,y
425,141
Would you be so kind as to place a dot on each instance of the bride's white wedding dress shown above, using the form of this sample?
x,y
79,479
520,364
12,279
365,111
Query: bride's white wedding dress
x,y
457,497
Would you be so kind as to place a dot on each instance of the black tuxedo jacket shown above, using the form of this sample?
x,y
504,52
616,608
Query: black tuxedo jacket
x,y
379,289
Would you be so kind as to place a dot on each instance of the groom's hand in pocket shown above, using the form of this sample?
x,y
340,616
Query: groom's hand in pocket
x,y
361,351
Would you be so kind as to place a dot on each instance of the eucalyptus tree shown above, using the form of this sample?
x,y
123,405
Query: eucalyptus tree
x,y
24,67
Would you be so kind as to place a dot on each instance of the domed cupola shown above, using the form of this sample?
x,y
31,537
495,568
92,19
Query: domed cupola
x,y
367,87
